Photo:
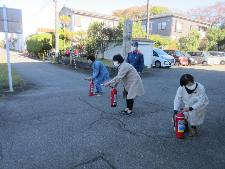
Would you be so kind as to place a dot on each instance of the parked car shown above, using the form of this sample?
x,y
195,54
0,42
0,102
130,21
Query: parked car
x,y
207,58
162,59
219,57
180,58
190,59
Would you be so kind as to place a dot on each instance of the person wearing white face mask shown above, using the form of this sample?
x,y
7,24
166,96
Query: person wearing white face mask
x,y
136,58
131,80
195,100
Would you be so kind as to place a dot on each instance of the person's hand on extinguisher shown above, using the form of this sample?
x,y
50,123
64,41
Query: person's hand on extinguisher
x,y
106,84
88,78
187,109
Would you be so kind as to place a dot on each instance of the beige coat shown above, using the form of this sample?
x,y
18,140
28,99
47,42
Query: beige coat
x,y
131,80
197,100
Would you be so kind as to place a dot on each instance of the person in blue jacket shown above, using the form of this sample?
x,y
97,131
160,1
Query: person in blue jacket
x,y
136,58
100,74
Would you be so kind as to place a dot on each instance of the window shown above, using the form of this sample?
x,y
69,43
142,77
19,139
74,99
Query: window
x,y
155,54
162,26
150,25
202,28
179,27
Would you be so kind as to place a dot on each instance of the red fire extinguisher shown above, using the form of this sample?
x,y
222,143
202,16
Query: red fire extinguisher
x,y
180,125
91,88
113,97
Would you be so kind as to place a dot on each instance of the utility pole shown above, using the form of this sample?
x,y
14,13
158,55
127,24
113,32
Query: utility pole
x,y
147,24
56,29
127,37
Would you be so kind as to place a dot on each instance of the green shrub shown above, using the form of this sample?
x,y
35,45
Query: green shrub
x,y
39,44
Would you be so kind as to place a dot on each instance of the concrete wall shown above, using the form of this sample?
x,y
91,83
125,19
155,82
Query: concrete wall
x,y
112,50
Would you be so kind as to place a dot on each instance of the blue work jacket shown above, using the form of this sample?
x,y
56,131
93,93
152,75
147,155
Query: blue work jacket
x,y
100,71
136,59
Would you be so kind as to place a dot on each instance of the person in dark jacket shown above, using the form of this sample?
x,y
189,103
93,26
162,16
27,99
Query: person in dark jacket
x,y
136,58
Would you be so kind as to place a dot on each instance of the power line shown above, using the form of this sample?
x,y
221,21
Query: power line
x,y
44,6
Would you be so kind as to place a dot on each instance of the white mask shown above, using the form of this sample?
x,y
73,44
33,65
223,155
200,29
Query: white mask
x,y
192,87
133,48
116,64
89,61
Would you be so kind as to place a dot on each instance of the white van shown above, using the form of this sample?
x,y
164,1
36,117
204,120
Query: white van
x,y
162,59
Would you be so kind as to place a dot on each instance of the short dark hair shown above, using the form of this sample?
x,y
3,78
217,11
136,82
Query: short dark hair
x,y
185,79
118,58
135,44
91,57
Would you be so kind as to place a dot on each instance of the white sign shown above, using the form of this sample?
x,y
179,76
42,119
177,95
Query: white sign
x,y
10,22
14,20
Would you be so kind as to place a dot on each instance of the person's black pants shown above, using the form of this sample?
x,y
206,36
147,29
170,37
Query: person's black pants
x,y
130,102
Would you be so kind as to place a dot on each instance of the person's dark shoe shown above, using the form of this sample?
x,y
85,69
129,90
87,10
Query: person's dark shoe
x,y
193,132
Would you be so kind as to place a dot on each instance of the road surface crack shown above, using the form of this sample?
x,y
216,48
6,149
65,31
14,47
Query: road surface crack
x,y
95,159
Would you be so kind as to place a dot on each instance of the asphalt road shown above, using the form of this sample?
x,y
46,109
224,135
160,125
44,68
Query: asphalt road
x,y
55,125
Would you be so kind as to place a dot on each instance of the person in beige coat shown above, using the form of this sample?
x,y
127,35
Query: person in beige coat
x,y
195,100
131,80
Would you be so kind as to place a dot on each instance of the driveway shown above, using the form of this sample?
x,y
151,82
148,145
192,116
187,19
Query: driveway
x,y
56,125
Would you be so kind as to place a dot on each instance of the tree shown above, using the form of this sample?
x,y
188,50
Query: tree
x,y
137,31
156,10
190,42
64,19
212,14
99,37
140,12
65,37
216,37
163,42
79,37
39,44
204,45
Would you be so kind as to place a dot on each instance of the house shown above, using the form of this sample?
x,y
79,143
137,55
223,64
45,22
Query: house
x,y
174,25
80,20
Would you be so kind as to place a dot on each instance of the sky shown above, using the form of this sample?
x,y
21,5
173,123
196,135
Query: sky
x,y
40,13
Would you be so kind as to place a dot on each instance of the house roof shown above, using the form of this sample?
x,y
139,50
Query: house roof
x,y
177,16
92,14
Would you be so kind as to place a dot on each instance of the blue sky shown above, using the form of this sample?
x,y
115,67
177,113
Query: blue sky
x,y
40,13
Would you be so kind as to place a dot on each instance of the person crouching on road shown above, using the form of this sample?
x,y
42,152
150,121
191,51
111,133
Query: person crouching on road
x,y
194,97
100,74
132,81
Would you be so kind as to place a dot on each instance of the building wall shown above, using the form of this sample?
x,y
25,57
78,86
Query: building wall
x,y
82,22
187,27
172,27
157,26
